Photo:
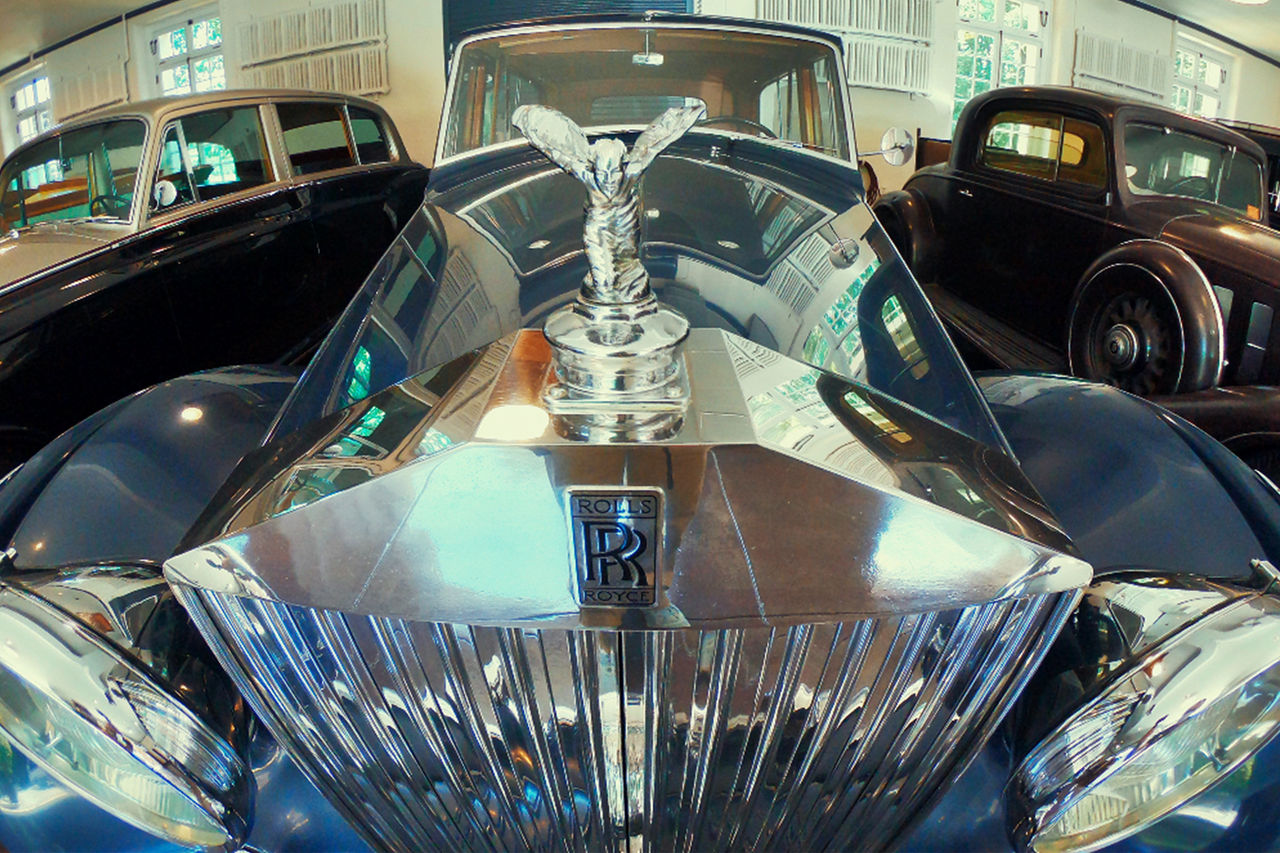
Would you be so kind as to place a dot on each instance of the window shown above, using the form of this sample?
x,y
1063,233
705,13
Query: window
x,y
1046,145
370,138
189,57
30,104
1160,161
1199,79
315,136
90,171
998,43
801,105
210,154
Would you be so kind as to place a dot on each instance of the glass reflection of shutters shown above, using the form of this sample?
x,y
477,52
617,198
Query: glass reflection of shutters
x,y
463,15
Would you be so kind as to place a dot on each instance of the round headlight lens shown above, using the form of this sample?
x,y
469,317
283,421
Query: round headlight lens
x,y
98,722
1188,713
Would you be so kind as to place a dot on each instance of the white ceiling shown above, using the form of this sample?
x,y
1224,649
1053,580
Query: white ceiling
x,y
1257,27
29,25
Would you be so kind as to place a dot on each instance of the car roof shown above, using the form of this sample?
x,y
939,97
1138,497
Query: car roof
x,y
653,17
1107,107
155,109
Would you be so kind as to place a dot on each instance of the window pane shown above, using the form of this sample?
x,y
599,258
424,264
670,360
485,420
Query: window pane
x,y
42,90
1160,162
225,153
1022,142
175,80
370,141
90,171
206,34
1084,154
315,137
210,73
1184,64
27,128
171,44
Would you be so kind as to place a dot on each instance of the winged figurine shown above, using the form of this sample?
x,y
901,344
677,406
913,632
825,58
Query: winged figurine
x,y
611,174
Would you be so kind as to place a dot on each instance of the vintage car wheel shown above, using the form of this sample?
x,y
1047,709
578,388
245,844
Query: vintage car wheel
x,y
1145,320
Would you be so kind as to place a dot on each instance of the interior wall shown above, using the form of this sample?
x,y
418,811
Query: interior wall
x,y
415,55
416,63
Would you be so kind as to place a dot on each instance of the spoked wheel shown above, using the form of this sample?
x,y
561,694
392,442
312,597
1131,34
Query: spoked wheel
x,y
1135,346
1127,334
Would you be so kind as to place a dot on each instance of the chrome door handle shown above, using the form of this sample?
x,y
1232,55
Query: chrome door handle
x,y
966,193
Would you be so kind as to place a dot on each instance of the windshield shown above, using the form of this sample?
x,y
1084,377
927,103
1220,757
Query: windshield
x,y
760,84
1161,161
90,171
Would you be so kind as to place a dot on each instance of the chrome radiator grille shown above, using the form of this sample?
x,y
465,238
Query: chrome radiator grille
x,y
810,736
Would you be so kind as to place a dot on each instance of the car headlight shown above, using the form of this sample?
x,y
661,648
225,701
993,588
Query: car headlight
x,y
1188,711
97,721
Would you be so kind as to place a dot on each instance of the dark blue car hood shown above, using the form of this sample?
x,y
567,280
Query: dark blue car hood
x,y
771,243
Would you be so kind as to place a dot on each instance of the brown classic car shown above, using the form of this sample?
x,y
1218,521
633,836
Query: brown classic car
x,y
1072,231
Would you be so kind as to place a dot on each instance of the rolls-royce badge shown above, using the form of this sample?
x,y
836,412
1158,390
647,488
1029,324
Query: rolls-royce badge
x,y
616,545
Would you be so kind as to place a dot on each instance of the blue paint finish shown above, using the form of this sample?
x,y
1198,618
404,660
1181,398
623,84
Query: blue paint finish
x,y
1132,485
97,495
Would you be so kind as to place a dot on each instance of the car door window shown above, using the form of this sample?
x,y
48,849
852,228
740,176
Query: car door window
x,y
1046,145
208,155
315,135
370,138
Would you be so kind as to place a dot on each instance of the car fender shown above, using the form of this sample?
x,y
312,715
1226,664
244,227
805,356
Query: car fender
x,y
1188,288
126,483
907,219
1184,504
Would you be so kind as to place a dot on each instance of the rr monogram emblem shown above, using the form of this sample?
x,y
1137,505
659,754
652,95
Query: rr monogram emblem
x,y
615,539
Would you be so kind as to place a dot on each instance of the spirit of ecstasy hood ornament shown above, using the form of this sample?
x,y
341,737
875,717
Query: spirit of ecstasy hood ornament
x,y
618,370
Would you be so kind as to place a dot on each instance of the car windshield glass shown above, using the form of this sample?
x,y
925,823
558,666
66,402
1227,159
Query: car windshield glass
x,y
760,84
90,171
1161,161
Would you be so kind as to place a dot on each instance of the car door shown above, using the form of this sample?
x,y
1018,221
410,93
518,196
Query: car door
x,y
340,157
239,253
1043,178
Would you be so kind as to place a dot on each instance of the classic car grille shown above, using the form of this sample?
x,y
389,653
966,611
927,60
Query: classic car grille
x,y
808,736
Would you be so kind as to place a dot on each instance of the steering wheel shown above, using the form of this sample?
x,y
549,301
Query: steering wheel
x,y
1203,189
745,122
112,205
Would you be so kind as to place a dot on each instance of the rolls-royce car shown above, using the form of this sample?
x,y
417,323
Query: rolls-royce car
x,y
638,501
156,238
1122,242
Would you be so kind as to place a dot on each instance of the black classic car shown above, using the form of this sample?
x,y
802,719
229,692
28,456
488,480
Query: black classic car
x,y
1072,231
161,237
674,523
1269,138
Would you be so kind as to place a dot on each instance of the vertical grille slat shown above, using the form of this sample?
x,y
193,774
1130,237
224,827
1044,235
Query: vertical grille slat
x,y
807,736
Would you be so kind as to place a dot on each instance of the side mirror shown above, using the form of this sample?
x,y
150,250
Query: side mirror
x,y
896,146
164,194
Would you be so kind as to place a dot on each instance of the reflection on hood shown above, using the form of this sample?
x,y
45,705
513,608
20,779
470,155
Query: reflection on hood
x,y
36,247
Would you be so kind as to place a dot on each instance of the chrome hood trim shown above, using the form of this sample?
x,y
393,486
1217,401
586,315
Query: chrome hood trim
x,y
791,496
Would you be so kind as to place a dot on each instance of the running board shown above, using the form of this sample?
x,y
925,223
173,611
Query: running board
x,y
994,338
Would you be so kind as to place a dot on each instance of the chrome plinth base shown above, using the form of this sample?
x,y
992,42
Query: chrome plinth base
x,y
617,370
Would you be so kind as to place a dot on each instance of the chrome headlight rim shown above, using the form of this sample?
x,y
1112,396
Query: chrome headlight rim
x,y
123,715
1038,803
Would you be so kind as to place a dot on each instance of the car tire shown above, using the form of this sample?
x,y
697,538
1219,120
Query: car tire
x,y
905,216
1145,319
